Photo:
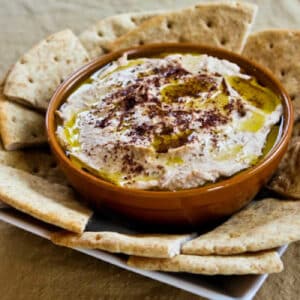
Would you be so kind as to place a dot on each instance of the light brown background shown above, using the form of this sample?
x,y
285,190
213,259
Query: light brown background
x,y
32,268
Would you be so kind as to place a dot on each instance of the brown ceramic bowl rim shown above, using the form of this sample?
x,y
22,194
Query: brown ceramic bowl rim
x,y
85,71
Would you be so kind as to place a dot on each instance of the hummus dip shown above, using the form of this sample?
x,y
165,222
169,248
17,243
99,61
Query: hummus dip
x,y
171,122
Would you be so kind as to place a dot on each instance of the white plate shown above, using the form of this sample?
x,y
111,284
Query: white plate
x,y
212,287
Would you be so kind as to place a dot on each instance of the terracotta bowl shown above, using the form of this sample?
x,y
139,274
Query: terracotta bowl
x,y
184,208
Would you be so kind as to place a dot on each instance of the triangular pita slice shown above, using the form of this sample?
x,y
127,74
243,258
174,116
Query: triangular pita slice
x,y
296,130
96,38
286,180
254,263
36,162
36,75
151,245
20,127
50,202
262,225
224,25
279,50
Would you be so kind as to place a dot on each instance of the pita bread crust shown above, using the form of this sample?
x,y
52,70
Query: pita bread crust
x,y
279,50
296,130
49,202
264,224
20,127
34,78
255,263
36,162
97,37
151,245
286,180
211,24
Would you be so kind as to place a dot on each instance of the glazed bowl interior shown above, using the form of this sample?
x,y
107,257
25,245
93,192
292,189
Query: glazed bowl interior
x,y
69,85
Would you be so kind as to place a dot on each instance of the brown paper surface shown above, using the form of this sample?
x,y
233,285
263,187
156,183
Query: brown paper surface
x,y
32,268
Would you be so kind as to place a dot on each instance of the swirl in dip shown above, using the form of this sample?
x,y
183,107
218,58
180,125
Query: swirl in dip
x,y
171,122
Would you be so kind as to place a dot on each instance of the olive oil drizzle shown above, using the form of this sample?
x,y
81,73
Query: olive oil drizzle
x,y
191,87
71,132
162,143
272,138
130,64
115,178
251,91
253,123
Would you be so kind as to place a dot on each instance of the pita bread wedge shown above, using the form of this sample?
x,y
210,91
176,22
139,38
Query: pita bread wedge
x,y
262,225
286,180
36,162
50,202
96,38
255,263
151,245
296,130
279,50
224,25
36,75
20,127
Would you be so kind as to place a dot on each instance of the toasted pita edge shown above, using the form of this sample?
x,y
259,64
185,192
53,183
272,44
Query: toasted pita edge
x,y
14,118
38,162
142,33
286,180
255,263
49,202
150,245
35,76
97,36
263,225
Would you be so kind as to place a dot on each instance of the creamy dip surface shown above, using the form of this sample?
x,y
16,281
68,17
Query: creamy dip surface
x,y
172,122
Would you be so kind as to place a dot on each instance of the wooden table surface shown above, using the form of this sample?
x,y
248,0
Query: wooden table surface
x,y
32,268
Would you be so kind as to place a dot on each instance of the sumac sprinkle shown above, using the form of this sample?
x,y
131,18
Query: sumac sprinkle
x,y
101,124
129,102
140,130
240,108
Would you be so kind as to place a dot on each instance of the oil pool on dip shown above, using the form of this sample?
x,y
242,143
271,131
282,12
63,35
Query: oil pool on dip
x,y
171,122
